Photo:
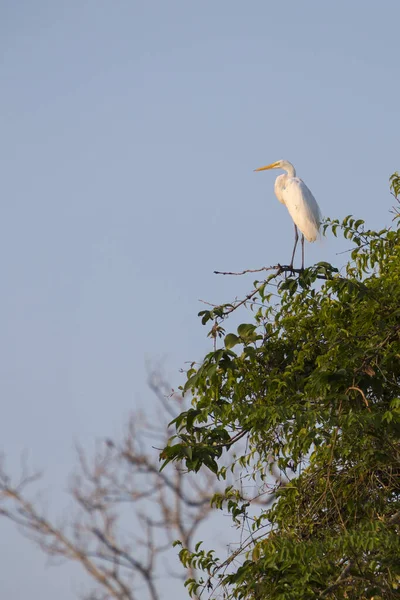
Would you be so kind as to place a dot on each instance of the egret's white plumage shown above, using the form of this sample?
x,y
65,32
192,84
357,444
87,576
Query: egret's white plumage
x,y
301,204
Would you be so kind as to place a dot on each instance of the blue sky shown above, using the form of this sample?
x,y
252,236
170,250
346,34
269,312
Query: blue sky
x,y
129,135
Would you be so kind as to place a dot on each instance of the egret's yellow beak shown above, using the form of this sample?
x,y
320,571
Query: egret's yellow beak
x,y
271,166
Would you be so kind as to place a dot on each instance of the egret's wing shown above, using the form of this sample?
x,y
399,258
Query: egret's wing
x,y
302,207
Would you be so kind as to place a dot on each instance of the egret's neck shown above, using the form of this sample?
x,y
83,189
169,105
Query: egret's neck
x,y
288,167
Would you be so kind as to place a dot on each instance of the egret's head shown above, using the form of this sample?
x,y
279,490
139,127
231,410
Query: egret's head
x,y
279,164
274,165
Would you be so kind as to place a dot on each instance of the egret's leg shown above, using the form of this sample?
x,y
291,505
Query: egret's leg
x,y
296,239
302,252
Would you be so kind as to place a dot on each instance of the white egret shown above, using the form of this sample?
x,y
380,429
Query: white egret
x,y
301,204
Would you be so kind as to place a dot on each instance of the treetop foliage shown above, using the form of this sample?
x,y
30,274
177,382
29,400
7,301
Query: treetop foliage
x,y
309,386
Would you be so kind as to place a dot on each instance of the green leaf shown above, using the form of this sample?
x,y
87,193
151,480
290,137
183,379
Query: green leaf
x,y
191,382
231,340
246,330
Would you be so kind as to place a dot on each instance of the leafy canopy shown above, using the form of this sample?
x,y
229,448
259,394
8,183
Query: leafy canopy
x,y
305,398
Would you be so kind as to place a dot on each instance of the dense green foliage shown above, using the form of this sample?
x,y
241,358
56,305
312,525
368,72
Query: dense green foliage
x,y
308,387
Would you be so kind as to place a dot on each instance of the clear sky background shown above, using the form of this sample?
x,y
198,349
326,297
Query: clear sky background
x,y
129,135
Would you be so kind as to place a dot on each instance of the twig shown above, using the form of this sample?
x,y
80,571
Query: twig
x,y
278,268
248,297
357,389
244,272
232,440
340,580
119,552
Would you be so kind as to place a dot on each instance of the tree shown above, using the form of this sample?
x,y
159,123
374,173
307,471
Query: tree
x,y
127,513
311,382
298,411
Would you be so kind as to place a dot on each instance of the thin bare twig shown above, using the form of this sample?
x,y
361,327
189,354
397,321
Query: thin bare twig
x,y
357,389
278,268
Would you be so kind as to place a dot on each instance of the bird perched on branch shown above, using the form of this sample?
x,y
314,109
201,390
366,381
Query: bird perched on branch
x,y
301,204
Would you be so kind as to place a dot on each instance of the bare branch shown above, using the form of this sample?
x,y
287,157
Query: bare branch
x,y
279,269
120,476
